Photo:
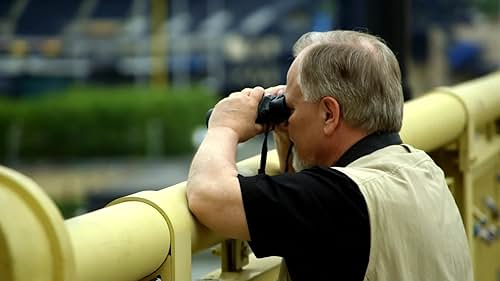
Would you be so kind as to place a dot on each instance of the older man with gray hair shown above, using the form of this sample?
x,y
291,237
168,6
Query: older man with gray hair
x,y
353,202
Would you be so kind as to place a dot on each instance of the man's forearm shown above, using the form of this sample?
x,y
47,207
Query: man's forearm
x,y
213,189
214,162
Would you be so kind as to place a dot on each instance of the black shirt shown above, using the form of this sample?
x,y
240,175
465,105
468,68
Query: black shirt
x,y
316,219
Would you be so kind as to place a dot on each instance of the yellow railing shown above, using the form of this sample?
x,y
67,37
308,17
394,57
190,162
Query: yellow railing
x,y
151,234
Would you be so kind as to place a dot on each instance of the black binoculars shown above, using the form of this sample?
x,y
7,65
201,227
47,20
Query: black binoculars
x,y
272,110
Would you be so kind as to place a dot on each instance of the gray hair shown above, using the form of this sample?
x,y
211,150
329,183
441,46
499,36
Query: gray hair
x,y
359,71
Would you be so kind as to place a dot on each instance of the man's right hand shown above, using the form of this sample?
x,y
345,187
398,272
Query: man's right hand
x,y
238,112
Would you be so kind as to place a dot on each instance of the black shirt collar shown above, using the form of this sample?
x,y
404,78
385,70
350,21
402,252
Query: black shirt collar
x,y
368,145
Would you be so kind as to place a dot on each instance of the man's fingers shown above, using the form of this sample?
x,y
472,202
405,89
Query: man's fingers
x,y
248,92
275,90
258,91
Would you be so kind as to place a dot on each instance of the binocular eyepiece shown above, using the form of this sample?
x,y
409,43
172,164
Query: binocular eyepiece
x,y
272,110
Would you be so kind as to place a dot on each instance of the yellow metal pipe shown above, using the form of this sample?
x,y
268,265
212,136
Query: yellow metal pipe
x,y
441,116
201,237
481,97
34,244
433,120
173,208
127,241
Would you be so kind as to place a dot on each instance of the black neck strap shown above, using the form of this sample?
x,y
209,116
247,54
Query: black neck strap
x,y
288,154
263,153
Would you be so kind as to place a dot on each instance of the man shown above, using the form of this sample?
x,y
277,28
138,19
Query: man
x,y
361,205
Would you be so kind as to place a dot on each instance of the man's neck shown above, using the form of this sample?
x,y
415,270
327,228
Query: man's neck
x,y
344,139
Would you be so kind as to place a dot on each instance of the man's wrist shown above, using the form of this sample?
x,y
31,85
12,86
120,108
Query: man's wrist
x,y
223,132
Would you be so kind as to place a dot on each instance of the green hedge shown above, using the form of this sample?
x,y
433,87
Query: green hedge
x,y
103,122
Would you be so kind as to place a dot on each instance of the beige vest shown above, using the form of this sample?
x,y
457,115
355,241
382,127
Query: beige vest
x,y
417,233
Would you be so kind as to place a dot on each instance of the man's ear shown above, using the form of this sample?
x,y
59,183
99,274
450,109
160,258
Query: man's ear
x,y
330,109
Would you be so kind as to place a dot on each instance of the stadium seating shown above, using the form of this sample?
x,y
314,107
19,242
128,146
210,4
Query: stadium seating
x,y
42,19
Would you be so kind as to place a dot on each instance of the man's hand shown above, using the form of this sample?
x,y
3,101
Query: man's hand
x,y
280,135
238,112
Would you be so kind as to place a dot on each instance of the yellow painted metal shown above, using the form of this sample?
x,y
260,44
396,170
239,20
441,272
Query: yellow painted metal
x,y
159,50
172,201
234,255
479,159
172,205
250,166
34,244
483,184
441,116
432,121
481,97
265,269
472,161
125,241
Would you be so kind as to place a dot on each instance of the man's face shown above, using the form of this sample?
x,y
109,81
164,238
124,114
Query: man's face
x,y
304,123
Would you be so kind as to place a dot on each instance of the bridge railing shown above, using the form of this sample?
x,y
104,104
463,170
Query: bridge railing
x,y
151,235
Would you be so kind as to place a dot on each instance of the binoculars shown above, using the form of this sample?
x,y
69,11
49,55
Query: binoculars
x,y
272,110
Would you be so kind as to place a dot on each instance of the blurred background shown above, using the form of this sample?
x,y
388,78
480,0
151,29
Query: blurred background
x,y
103,98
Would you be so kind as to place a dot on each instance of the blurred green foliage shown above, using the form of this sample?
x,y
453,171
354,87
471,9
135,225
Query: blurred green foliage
x,y
92,121
490,8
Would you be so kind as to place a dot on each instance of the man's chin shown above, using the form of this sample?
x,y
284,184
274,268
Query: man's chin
x,y
299,164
